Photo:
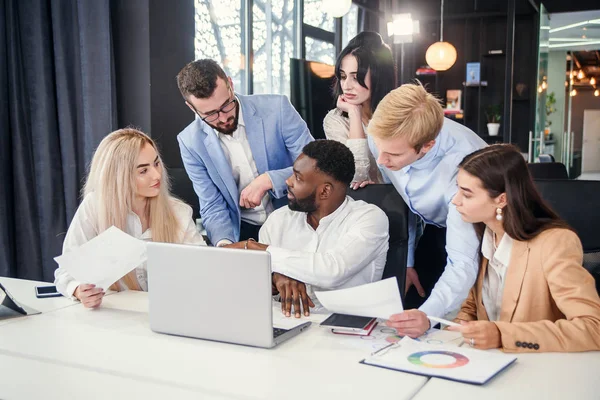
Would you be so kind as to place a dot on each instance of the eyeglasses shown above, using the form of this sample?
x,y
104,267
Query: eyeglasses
x,y
213,116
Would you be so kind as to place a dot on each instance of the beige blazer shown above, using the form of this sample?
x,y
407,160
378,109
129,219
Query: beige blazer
x,y
549,301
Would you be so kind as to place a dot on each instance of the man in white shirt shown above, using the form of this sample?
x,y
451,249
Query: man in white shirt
x,y
323,240
238,152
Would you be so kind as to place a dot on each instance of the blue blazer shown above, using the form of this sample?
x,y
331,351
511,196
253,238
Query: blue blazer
x,y
276,133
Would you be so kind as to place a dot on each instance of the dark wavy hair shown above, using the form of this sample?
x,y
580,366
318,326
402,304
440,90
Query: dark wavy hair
x,y
373,54
332,158
502,169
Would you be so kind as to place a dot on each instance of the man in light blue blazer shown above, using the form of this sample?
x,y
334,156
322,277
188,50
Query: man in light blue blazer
x,y
238,151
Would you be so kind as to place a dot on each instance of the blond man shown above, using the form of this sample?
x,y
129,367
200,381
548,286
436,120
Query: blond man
x,y
419,150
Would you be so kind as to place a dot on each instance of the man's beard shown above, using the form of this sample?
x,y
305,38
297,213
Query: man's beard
x,y
234,126
307,204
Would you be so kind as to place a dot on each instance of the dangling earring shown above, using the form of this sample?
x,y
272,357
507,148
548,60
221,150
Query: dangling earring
x,y
499,214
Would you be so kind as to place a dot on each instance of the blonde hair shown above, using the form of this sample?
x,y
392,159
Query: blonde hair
x,y
111,179
409,112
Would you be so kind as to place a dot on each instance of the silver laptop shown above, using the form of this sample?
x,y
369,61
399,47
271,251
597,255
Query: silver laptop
x,y
213,293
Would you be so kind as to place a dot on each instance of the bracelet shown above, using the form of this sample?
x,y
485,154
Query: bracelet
x,y
246,244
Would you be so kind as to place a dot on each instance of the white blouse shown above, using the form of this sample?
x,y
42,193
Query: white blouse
x,y
494,279
84,227
337,127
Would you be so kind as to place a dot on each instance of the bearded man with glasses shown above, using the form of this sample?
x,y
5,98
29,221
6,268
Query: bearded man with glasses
x,y
238,152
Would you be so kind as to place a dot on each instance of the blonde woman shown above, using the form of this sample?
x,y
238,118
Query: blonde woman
x,y
127,187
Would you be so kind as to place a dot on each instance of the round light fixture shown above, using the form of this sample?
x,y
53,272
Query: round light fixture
x,y
596,93
441,56
580,74
544,85
592,81
573,93
336,8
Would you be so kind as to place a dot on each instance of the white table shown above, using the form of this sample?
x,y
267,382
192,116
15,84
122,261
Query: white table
x,y
533,376
23,291
111,351
26,378
116,340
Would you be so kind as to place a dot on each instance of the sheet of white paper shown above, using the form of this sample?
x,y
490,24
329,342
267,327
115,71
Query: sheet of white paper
x,y
378,299
383,335
105,259
456,363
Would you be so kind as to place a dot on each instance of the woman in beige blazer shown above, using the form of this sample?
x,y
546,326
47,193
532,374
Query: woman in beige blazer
x,y
364,73
532,293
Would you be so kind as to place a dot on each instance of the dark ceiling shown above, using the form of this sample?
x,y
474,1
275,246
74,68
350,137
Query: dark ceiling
x,y
558,6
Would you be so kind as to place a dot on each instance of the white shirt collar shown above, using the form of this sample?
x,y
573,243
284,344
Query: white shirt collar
x,y
500,254
325,221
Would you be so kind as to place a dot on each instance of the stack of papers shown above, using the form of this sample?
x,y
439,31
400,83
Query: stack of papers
x,y
105,259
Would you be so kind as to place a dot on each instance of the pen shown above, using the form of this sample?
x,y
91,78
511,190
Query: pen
x,y
443,321
383,348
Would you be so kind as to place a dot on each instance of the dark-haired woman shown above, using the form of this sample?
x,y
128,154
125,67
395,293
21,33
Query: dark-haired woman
x,y
532,293
364,73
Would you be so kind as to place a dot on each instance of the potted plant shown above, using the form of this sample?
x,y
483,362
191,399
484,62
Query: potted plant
x,y
550,109
493,114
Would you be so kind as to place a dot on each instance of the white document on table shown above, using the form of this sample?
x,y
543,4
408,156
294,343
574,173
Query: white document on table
x,y
105,259
448,362
378,299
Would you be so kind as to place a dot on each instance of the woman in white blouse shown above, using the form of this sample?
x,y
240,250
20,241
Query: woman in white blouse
x,y
127,187
364,73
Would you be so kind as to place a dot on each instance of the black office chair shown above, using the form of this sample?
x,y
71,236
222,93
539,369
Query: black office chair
x,y
182,188
387,198
430,262
577,203
549,170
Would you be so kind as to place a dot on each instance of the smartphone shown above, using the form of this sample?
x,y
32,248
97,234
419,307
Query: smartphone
x,y
46,291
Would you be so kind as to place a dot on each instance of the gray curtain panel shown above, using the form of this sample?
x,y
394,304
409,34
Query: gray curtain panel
x,y
57,103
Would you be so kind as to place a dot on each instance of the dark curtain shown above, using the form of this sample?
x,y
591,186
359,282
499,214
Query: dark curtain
x,y
58,101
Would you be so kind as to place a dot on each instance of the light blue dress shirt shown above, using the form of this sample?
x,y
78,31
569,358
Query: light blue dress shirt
x,y
428,186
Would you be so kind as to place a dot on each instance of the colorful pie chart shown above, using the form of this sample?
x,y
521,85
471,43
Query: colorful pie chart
x,y
438,359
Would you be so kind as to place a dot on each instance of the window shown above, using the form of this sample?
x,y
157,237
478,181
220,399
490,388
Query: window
x,y
314,16
318,50
273,45
219,36
350,25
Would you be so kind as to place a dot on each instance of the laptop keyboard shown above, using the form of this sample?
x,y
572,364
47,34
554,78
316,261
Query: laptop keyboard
x,y
278,332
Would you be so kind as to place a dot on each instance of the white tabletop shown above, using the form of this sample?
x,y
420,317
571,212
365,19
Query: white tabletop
x,y
27,378
23,291
116,339
533,376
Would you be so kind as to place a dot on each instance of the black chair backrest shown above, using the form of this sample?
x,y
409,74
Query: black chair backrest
x,y
548,170
387,198
183,189
578,203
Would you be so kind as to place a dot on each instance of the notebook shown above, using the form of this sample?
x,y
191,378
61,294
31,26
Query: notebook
x,y
349,324
454,363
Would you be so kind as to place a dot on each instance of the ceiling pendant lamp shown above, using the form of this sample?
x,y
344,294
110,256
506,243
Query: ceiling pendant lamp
x,y
441,55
